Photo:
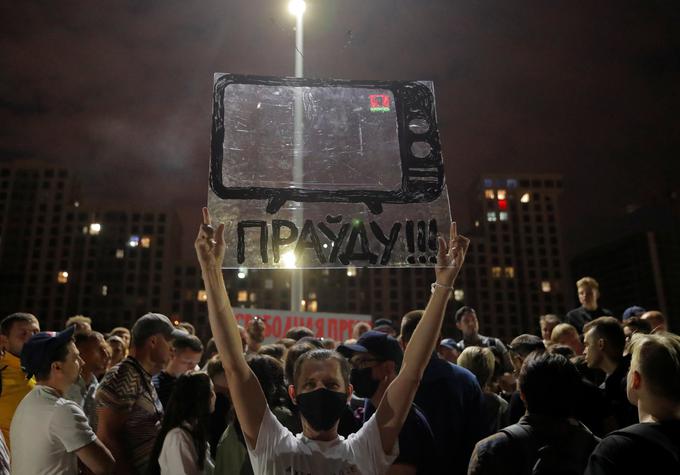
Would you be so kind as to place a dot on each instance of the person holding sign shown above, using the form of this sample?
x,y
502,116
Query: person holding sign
x,y
321,386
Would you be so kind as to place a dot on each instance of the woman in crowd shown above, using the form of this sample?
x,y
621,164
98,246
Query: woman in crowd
x,y
182,443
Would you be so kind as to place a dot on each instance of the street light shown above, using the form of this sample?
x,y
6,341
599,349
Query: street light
x,y
297,8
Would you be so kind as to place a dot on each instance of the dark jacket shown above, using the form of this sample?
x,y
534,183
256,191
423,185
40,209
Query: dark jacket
x,y
451,399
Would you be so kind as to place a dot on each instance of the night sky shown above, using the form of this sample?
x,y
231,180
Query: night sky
x,y
120,91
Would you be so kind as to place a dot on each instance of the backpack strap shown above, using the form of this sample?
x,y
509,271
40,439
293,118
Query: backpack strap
x,y
523,436
650,434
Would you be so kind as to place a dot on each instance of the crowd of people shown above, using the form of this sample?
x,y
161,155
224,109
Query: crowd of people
x,y
592,393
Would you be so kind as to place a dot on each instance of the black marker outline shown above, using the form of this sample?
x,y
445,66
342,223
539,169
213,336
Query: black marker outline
x,y
422,178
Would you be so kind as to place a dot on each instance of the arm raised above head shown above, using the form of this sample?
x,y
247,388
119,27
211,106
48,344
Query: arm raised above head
x,y
246,392
398,398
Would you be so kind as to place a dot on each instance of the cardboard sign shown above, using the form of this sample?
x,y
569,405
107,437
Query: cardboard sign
x,y
337,326
326,173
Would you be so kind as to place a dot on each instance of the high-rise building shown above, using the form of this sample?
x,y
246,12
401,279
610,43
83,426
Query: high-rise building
x,y
58,258
515,269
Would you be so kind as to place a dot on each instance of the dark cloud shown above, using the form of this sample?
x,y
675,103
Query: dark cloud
x,y
121,90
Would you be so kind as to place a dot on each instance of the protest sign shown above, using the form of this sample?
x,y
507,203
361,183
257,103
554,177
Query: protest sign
x,y
337,326
326,173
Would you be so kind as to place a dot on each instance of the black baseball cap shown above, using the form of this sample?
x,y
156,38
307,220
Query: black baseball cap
x,y
40,347
379,344
152,324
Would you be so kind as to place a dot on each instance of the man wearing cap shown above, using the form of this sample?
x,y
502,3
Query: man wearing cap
x,y
375,360
50,433
448,350
128,407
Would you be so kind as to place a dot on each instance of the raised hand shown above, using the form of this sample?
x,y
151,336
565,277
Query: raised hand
x,y
450,257
209,243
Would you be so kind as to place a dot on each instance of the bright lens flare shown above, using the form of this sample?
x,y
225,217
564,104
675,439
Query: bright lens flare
x,y
297,7
288,260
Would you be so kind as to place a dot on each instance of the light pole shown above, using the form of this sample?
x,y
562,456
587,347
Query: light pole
x,y
297,8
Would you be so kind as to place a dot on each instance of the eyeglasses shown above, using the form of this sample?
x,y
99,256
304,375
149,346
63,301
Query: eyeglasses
x,y
361,363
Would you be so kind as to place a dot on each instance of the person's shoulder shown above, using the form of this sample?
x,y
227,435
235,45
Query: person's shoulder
x,y
123,374
496,441
574,312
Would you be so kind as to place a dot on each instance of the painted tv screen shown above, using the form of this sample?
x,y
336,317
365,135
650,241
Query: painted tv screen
x,y
343,133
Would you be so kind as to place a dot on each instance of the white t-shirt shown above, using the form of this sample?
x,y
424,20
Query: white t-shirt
x,y
279,452
178,455
46,431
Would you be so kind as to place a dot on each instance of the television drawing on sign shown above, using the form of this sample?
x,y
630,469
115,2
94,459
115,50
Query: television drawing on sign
x,y
345,133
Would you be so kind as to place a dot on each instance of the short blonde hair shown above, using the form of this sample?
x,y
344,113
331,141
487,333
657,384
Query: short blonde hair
x,y
78,319
587,282
562,330
479,361
658,358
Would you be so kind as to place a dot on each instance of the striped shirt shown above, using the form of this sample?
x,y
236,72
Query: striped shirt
x,y
127,388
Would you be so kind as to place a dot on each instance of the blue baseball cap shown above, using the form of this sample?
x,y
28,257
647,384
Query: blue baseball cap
x,y
40,347
379,344
634,311
449,343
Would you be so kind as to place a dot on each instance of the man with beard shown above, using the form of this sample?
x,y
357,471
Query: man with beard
x,y
321,387
375,360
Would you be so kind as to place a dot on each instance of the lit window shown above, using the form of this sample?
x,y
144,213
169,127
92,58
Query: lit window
x,y
62,277
488,182
133,241
76,204
95,228
120,253
510,272
545,286
86,229
312,307
105,290
459,295
491,216
512,183
145,241
268,284
202,296
526,197
501,194
503,215
242,296
303,304
489,194
496,272
351,271
253,296
503,205
476,223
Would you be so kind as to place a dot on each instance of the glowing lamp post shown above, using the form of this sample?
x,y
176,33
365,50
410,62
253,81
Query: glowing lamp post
x,y
297,8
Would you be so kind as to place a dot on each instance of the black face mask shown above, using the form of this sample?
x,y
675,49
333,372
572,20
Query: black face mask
x,y
322,408
363,382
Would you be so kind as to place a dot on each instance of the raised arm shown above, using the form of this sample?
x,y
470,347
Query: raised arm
x,y
398,398
246,392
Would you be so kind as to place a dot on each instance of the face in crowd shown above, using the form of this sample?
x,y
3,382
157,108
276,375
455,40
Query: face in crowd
x,y
593,349
19,334
71,366
588,296
321,393
160,352
468,324
95,353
